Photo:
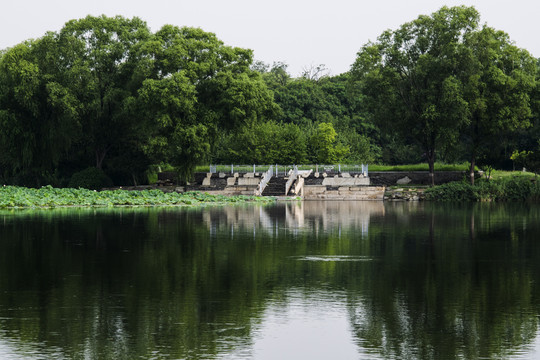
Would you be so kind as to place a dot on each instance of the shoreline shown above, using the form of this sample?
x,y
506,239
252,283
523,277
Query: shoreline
x,y
513,189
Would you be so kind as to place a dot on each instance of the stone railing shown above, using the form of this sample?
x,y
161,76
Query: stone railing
x,y
266,178
293,175
299,186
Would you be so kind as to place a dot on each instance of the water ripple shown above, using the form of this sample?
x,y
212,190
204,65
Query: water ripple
x,y
333,258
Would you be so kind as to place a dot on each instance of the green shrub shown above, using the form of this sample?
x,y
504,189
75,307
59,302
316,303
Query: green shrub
x,y
453,191
503,189
90,178
535,190
516,188
488,191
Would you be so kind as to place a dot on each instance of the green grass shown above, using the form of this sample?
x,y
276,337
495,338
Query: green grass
x,y
421,167
47,197
500,174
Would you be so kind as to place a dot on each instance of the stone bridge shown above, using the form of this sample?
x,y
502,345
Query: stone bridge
x,y
306,184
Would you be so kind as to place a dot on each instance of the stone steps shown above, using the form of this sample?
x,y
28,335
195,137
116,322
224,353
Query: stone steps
x,y
275,187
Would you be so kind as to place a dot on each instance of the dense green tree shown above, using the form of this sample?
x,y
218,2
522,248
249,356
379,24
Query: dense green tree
x,y
39,114
103,57
304,101
198,87
316,97
108,93
523,139
497,86
171,101
531,137
264,143
411,78
274,76
361,148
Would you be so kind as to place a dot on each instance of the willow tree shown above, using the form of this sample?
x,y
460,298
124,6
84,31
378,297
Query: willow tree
x,y
38,113
102,58
411,78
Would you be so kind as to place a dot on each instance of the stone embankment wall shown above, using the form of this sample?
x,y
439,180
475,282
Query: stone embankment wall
x,y
226,184
323,192
341,186
389,178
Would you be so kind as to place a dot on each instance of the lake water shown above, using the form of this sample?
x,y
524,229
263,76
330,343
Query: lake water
x,y
312,280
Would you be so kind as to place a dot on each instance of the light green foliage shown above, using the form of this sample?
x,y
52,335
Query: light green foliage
x,y
276,75
292,142
527,159
325,146
520,157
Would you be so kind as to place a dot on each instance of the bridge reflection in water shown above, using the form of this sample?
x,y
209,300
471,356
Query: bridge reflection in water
x,y
294,217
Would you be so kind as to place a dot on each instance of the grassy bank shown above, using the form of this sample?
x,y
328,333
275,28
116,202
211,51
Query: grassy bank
x,y
47,196
421,167
501,188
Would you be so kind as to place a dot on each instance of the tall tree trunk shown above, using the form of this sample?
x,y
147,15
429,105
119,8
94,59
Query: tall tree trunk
x,y
431,164
472,233
473,164
475,145
100,156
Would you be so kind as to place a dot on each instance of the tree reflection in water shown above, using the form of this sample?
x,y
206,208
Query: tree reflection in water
x,y
462,283
401,280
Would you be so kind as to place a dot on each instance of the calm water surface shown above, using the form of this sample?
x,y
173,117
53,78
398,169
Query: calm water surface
x,y
312,280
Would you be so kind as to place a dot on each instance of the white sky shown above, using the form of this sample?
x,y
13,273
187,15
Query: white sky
x,y
299,32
